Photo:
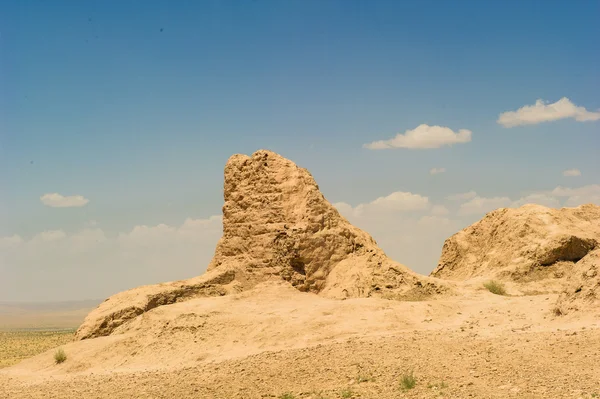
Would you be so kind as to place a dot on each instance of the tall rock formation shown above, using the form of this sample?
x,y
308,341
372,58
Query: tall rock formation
x,y
276,225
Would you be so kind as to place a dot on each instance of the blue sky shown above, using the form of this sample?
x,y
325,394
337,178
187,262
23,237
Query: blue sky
x,y
136,107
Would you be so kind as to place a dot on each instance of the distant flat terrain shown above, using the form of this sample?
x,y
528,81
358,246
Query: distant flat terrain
x,y
44,315
30,328
18,345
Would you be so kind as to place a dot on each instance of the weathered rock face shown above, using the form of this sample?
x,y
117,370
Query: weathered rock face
x,y
127,305
524,244
276,225
276,222
583,290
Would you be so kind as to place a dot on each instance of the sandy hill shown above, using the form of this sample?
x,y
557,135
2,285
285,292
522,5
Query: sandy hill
x,y
526,245
277,226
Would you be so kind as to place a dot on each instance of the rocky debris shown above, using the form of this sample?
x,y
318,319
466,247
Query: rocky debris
x,y
276,225
529,243
583,290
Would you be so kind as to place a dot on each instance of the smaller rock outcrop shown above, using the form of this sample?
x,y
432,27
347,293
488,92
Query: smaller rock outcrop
x,y
525,244
583,289
127,305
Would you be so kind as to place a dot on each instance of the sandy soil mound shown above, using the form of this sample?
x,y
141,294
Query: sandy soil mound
x,y
526,245
274,316
276,225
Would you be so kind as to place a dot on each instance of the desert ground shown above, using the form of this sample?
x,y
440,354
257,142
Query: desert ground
x,y
298,303
275,342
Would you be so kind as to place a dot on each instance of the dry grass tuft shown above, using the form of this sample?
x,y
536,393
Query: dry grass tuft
x,y
408,381
495,287
60,356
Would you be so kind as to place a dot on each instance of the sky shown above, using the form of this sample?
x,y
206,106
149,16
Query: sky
x,y
415,118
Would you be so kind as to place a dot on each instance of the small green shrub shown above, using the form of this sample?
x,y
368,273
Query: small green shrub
x,y
347,393
495,287
287,395
60,356
408,381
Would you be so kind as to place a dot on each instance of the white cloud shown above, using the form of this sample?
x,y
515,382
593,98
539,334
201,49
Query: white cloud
x,y
52,235
462,196
56,200
552,199
572,172
423,136
543,112
344,209
11,241
164,235
537,198
592,189
401,201
147,236
54,265
435,171
577,200
439,210
403,228
481,205
589,194
398,201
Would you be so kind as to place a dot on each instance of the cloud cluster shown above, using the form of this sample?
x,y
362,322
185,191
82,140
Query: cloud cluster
x,y
560,196
481,205
437,171
427,137
541,111
572,172
95,265
410,227
578,196
407,226
56,200
423,137
398,201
